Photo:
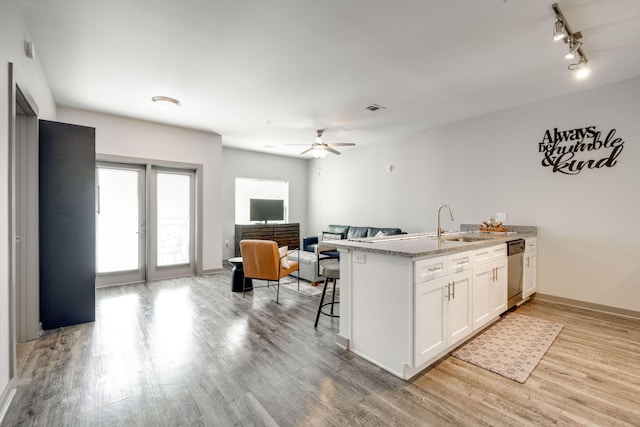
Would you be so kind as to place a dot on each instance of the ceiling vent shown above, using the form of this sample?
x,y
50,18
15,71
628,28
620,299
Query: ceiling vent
x,y
375,107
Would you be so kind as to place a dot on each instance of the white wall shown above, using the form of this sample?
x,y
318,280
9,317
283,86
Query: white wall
x,y
134,138
589,233
247,164
29,75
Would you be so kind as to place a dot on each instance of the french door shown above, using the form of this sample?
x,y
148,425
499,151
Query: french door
x,y
120,223
172,223
145,223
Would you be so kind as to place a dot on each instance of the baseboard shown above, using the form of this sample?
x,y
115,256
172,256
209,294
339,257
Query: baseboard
x,y
589,306
212,271
6,397
342,342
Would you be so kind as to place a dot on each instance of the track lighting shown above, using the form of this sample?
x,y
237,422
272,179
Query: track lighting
x,y
562,31
573,49
558,29
580,67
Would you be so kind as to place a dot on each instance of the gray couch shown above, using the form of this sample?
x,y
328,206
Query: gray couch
x,y
348,232
307,258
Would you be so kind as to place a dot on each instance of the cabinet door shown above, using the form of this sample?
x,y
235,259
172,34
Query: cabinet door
x,y
429,334
530,274
482,277
498,292
458,306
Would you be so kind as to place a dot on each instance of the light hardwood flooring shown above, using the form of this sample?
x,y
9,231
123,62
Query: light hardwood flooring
x,y
189,352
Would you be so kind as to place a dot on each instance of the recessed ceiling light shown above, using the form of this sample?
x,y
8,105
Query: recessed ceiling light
x,y
166,103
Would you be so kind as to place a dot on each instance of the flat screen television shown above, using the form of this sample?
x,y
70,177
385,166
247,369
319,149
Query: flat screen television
x,y
264,210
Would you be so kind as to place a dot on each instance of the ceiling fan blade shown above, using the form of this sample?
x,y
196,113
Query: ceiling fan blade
x,y
341,144
331,150
307,150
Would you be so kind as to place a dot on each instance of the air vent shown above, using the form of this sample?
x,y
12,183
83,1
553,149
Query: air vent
x,y
375,107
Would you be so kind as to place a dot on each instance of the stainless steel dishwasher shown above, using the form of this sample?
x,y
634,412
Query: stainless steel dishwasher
x,y
515,257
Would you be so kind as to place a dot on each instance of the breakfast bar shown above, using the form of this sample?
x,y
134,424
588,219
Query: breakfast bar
x,y
408,300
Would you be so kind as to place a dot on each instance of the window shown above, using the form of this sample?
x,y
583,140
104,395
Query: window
x,y
249,188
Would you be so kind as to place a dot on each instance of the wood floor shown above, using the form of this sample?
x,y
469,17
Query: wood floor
x,y
188,352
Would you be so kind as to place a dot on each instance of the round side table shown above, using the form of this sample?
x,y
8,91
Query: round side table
x,y
237,276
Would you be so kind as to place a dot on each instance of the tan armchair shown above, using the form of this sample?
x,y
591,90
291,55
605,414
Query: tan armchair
x,y
261,260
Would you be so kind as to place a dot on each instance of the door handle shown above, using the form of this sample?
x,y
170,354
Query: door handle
x,y
98,196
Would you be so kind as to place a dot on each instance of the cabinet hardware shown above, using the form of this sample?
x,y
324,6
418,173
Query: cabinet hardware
x,y
434,268
527,262
451,294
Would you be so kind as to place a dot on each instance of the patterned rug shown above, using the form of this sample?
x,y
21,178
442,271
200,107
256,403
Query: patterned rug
x,y
513,347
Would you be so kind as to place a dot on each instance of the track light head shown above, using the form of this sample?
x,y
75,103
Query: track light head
x,y
559,32
573,49
580,67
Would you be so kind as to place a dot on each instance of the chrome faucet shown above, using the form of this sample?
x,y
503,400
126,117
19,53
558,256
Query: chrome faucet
x,y
439,232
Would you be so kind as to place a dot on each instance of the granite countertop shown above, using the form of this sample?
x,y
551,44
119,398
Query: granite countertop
x,y
418,245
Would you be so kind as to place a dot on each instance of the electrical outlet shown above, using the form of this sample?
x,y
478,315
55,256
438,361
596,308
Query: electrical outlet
x,y
501,216
359,258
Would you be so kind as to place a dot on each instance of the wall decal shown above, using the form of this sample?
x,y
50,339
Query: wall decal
x,y
572,151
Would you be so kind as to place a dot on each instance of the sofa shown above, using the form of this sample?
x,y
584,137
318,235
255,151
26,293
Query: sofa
x,y
307,258
340,232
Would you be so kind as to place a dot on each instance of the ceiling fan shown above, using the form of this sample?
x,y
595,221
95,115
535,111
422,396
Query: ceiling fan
x,y
319,149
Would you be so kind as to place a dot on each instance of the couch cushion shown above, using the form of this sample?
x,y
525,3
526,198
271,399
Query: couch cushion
x,y
374,231
357,232
342,229
331,236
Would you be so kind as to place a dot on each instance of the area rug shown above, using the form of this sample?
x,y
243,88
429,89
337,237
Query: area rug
x,y
513,347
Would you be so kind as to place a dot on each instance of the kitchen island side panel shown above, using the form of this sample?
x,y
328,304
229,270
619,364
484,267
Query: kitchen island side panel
x,y
382,309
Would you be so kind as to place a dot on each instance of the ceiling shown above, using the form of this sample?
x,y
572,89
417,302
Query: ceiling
x,y
263,73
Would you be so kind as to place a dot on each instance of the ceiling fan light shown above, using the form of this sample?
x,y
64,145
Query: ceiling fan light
x,y
319,153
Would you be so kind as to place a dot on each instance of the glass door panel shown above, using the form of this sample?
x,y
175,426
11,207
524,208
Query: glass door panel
x,y
173,222
120,224
174,212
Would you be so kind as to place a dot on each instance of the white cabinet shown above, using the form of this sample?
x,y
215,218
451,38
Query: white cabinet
x,y
530,279
442,307
430,335
430,268
458,307
489,293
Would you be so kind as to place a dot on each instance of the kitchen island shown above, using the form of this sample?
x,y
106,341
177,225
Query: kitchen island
x,y
408,300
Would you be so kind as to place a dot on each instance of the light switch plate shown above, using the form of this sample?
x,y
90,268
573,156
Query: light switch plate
x,y
501,216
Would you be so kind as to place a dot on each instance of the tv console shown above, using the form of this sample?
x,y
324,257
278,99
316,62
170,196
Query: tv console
x,y
283,234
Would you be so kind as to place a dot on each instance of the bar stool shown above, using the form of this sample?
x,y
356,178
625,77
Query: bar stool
x,y
331,272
